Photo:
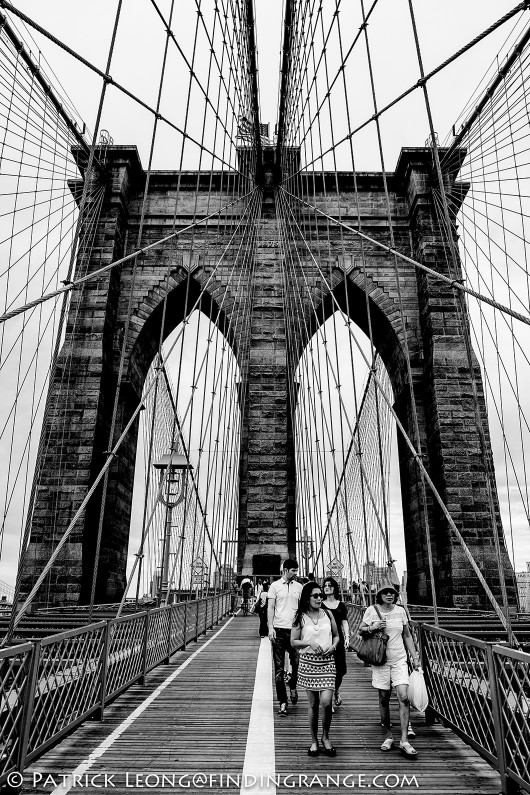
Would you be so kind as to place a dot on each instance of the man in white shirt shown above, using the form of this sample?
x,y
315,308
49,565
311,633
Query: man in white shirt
x,y
282,602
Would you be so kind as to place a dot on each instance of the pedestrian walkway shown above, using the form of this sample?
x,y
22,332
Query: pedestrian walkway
x,y
206,723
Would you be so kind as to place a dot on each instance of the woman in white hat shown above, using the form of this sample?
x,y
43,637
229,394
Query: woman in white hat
x,y
394,673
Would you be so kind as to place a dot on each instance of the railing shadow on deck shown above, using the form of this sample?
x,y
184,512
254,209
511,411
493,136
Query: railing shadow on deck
x,y
49,687
479,690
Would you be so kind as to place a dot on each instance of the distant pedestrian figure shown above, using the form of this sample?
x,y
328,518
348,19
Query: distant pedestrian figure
x,y
282,603
234,594
315,635
339,613
246,590
260,608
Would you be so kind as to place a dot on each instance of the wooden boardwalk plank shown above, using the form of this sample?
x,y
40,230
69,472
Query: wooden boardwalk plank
x,y
199,724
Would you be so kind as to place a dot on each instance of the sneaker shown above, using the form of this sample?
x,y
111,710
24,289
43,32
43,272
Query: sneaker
x,y
282,712
294,696
410,731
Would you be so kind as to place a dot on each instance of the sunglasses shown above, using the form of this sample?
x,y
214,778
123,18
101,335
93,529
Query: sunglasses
x,y
388,593
317,596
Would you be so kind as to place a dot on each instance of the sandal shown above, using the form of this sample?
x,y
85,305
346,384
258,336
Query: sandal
x,y
328,751
407,750
338,700
387,745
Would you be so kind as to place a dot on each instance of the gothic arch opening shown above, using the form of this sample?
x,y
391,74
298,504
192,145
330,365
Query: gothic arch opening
x,y
197,347
372,311
200,383
349,504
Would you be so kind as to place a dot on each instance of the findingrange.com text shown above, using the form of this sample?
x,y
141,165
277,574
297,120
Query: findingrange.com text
x,y
195,781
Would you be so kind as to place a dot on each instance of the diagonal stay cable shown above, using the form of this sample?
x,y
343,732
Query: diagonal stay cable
x,y
72,285
453,282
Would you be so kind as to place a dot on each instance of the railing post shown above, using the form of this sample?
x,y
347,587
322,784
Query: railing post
x,y
185,625
169,624
196,620
508,787
27,709
144,652
104,663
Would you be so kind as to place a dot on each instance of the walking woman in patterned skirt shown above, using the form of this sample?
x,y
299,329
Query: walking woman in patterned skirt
x,y
315,635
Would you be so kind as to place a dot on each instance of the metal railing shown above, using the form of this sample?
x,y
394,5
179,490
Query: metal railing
x,y
49,687
479,690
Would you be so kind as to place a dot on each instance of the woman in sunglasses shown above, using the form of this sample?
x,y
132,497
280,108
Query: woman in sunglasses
x,y
315,635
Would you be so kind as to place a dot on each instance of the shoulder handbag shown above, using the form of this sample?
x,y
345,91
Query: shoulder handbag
x,y
372,649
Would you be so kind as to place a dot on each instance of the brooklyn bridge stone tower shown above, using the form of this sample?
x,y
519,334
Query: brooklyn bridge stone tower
x,y
432,331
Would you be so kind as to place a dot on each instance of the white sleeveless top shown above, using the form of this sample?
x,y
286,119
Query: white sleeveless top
x,y
316,633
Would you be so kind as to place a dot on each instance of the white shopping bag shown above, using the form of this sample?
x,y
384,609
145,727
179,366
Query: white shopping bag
x,y
418,696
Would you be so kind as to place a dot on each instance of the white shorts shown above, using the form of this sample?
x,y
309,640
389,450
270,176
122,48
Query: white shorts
x,y
390,674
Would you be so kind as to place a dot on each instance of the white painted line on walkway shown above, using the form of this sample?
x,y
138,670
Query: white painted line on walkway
x,y
87,763
260,762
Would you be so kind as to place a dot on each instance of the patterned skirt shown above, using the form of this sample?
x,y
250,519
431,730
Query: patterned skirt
x,y
316,671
